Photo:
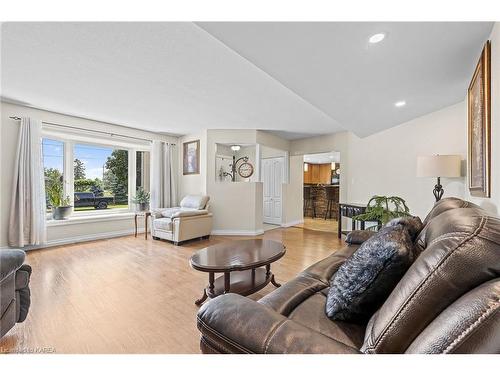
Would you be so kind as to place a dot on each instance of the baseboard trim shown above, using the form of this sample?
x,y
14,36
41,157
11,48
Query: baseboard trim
x,y
292,223
230,232
84,238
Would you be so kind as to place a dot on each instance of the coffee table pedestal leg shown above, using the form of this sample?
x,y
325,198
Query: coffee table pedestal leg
x,y
269,274
211,278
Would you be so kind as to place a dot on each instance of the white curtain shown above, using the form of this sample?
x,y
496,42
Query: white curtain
x,y
163,184
27,212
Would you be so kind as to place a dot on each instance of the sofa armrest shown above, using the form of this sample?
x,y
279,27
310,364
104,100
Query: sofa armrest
x,y
234,324
10,262
357,237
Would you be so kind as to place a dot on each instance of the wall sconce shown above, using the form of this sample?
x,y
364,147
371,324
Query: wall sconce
x,y
235,148
306,167
333,166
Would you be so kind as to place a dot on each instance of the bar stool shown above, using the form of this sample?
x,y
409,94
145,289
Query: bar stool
x,y
330,199
309,201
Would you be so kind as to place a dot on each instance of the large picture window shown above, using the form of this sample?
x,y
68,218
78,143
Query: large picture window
x,y
95,178
100,178
53,168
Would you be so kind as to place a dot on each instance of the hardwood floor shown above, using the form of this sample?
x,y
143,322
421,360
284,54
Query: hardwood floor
x,y
130,295
320,224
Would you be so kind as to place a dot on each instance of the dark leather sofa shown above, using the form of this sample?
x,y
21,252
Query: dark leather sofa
x,y
14,289
447,302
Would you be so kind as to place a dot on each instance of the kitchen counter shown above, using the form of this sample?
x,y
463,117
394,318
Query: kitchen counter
x,y
320,202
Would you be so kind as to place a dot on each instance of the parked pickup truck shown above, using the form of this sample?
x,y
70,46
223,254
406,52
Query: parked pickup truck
x,y
88,199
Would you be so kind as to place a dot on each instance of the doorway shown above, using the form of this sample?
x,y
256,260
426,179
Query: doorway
x,y
321,191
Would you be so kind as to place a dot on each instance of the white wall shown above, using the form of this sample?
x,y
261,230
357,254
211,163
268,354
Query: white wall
x,y
385,163
62,233
236,206
293,193
193,183
493,204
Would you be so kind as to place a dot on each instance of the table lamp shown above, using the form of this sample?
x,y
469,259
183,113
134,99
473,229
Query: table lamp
x,y
439,166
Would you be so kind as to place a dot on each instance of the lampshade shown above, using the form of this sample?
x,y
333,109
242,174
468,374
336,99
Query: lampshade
x,y
439,166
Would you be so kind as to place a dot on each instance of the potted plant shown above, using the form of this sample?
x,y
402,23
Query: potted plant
x,y
141,200
383,209
61,207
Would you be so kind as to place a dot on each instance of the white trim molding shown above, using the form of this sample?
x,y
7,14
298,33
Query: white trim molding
x,y
292,223
84,238
79,219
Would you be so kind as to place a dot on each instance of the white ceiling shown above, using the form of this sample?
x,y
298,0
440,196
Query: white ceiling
x,y
334,67
322,158
295,79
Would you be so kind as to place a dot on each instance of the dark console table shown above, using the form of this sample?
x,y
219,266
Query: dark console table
x,y
350,210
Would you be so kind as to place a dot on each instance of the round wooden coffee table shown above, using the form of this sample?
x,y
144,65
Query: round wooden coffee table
x,y
246,265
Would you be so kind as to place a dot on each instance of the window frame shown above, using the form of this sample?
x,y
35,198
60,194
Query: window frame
x,y
70,139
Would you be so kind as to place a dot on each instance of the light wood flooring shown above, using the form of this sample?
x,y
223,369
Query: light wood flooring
x,y
130,295
319,223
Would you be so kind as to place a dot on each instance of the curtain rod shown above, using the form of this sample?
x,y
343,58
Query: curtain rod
x,y
89,130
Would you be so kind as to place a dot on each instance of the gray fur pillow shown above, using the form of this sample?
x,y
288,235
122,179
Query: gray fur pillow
x,y
365,280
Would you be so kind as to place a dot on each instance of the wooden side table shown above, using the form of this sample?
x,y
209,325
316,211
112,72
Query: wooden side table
x,y
146,215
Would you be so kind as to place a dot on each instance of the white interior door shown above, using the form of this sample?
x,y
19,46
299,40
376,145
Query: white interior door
x,y
272,178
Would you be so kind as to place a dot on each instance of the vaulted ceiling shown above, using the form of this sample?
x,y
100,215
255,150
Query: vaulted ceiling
x,y
295,79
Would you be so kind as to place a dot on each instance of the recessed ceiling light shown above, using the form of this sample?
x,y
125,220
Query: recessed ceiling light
x,y
401,103
377,38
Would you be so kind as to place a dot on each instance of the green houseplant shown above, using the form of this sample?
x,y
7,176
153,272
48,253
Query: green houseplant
x,y
141,200
61,207
383,209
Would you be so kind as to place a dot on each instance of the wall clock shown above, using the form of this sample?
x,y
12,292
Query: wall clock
x,y
245,170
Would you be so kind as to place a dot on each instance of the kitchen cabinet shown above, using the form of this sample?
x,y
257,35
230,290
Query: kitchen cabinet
x,y
318,174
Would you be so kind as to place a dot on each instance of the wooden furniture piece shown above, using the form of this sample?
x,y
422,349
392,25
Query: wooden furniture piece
x,y
332,197
309,201
241,263
350,210
146,215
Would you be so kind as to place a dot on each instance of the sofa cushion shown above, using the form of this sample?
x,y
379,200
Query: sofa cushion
x,y
311,313
198,202
463,251
324,269
284,299
363,282
182,212
469,325
163,223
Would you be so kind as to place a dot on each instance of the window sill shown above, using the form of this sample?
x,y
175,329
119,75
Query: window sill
x,y
90,219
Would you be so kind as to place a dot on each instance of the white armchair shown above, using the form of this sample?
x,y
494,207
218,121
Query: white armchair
x,y
178,224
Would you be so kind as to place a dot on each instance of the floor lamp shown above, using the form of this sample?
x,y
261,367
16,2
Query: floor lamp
x,y
439,166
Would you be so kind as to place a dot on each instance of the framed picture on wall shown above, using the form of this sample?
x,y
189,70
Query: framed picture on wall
x,y
191,157
479,127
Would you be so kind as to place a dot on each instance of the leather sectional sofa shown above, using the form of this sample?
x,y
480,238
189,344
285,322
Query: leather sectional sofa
x,y
14,289
447,302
